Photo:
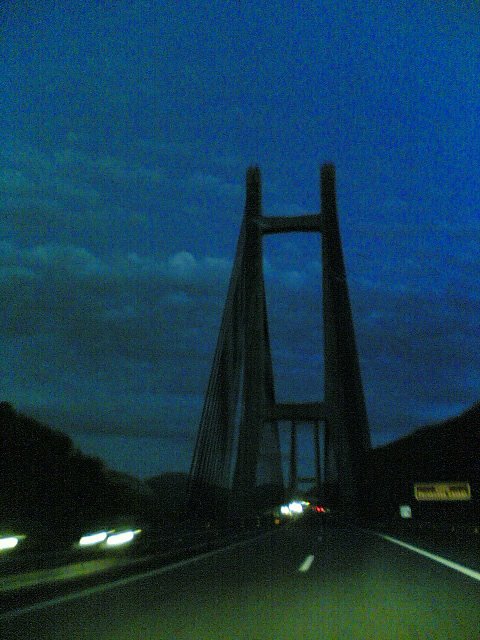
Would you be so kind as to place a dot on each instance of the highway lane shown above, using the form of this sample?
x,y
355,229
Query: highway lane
x,y
296,583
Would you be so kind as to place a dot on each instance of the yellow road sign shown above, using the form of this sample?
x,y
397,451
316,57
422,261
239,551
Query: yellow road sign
x,y
442,491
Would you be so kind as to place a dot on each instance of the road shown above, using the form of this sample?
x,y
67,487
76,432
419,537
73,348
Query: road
x,y
296,583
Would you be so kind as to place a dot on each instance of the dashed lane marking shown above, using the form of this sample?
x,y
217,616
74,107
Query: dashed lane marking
x,y
306,564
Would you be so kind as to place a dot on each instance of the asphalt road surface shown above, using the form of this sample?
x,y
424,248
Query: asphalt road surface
x,y
295,583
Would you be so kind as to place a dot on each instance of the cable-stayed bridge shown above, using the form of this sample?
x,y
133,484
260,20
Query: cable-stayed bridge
x,y
237,454
235,580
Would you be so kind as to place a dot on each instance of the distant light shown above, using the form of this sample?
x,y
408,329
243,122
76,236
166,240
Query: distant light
x,y
284,510
277,521
320,509
8,543
117,539
296,507
92,538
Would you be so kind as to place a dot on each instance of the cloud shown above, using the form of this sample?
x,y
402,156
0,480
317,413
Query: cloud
x,y
83,332
131,332
215,185
182,265
418,350
63,193
121,311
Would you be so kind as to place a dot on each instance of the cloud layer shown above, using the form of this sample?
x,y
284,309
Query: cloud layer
x,y
121,193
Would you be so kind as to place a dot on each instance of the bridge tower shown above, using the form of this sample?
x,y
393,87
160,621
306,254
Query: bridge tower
x,y
237,454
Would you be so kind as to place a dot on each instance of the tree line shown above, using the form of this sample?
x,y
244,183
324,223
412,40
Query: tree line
x,y
48,485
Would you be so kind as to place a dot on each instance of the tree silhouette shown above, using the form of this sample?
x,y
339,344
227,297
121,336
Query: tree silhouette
x,y
49,484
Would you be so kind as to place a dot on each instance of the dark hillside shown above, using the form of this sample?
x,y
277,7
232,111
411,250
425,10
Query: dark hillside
x,y
47,484
447,451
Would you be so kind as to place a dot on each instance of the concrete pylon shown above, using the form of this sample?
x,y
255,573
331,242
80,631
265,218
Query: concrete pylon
x,y
255,369
293,480
348,429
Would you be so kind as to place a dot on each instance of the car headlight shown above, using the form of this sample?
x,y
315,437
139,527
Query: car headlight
x,y
91,539
10,541
122,537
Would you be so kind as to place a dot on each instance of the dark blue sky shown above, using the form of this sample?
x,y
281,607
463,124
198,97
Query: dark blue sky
x,y
126,132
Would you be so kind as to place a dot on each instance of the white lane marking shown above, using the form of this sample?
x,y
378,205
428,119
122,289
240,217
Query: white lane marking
x,y
448,563
101,588
306,564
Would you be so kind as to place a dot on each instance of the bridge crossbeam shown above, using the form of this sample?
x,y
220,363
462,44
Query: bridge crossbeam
x,y
298,412
309,223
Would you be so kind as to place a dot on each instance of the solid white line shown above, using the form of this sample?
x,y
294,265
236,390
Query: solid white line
x,y
101,588
306,564
448,563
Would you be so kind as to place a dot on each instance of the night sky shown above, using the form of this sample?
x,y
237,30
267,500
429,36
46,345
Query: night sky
x,y
126,130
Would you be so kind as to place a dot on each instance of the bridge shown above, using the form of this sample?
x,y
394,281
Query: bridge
x,y
311,577
237,453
